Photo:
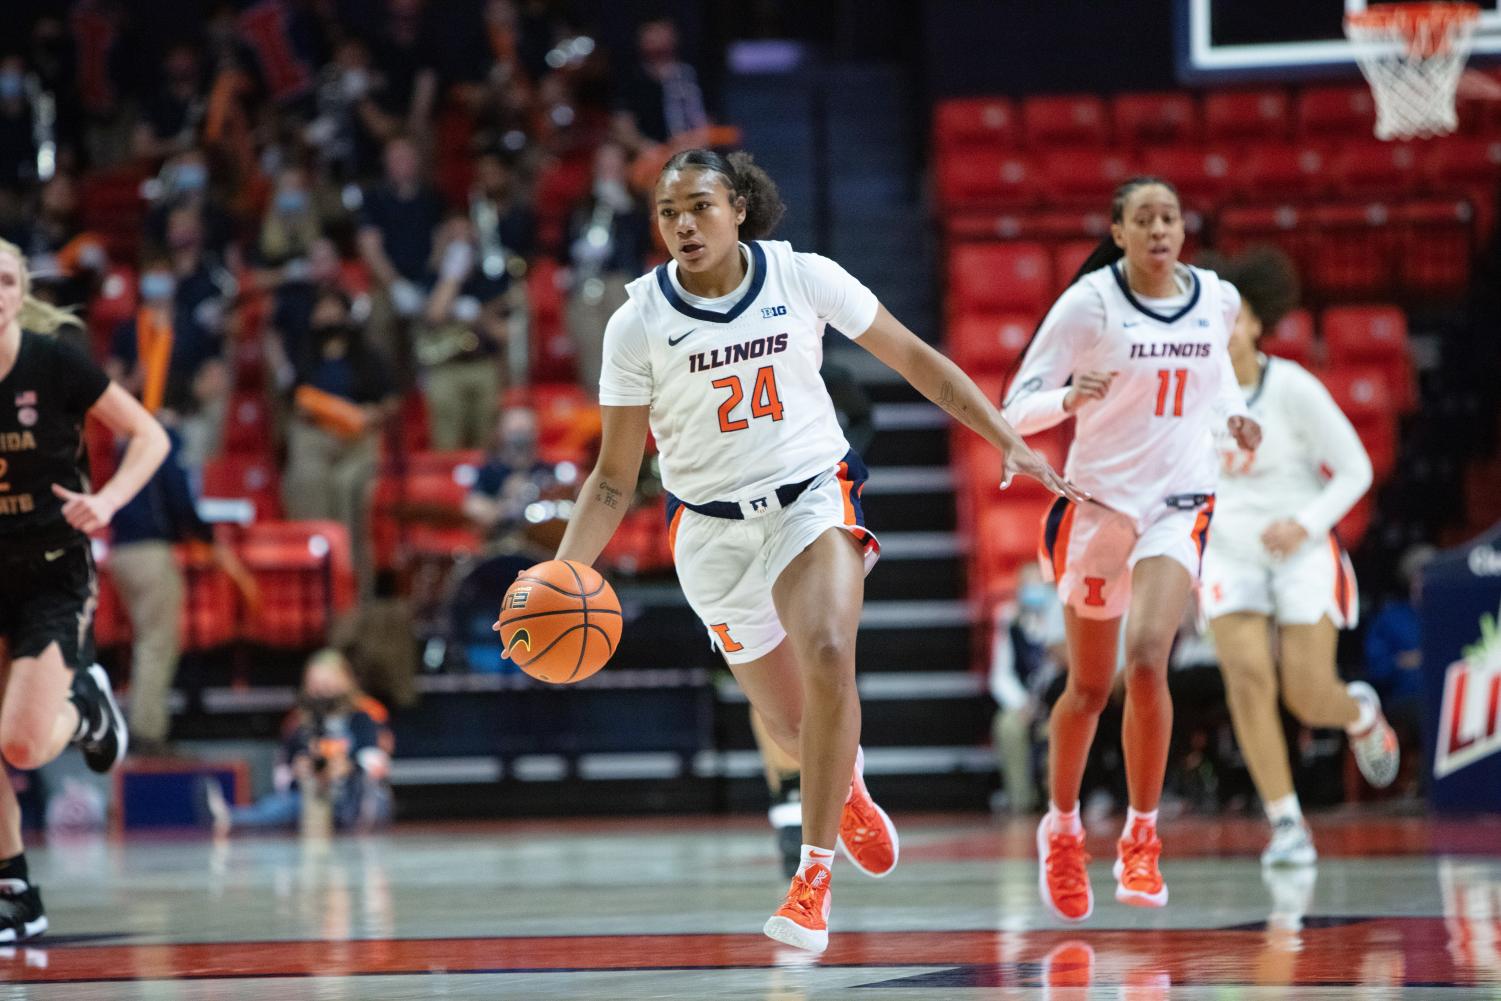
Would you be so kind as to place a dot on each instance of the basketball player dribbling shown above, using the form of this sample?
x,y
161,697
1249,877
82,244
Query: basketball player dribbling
x,y
718,353
54,693
1273,559
1135,352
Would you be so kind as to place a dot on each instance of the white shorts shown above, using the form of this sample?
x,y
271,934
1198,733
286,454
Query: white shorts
x,y
1316,581
727,566
1089,550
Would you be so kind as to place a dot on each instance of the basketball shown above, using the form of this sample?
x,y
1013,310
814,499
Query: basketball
x,y
560,622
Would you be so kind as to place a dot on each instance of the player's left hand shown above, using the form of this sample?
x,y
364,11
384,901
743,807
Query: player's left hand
x,y
1026,462
1283,538
86,512
1247,432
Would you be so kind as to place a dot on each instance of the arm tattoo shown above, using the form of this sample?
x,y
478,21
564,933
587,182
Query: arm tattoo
x,y
609,496
949,400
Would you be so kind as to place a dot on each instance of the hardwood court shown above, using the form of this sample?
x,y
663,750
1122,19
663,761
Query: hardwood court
x,y
672,909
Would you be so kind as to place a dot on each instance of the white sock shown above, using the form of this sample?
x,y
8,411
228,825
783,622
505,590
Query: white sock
x,y
1284,808
1133,815
1066,821
1367,717
813,854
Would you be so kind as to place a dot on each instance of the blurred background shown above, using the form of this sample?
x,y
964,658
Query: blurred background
x,y
359,255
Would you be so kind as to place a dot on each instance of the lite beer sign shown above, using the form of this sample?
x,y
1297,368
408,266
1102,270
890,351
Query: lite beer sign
x,y
1470,719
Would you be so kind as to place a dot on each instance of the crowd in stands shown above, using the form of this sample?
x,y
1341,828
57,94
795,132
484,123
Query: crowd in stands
x,y
357,254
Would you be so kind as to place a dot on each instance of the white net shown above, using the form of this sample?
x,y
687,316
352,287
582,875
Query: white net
x,y
1413,55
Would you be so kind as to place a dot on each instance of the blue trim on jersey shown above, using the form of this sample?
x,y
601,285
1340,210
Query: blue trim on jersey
x,y
758,259
1193,297
1260,383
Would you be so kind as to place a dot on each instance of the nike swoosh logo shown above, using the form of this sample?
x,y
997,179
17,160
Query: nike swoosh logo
x,y
53,555
673,342
1130,323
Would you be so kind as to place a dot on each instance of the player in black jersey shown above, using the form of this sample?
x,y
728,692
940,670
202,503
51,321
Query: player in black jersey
x,y
53,692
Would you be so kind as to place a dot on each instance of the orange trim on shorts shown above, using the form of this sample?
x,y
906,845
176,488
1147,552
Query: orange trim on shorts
x,y
1341,579
672,531
1201,526
845,489
1060,544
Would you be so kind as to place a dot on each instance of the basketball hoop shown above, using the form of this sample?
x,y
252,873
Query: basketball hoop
x,y
1413,55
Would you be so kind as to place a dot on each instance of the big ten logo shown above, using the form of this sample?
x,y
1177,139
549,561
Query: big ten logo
x,y
518,597
767,312
1471,893
1470,716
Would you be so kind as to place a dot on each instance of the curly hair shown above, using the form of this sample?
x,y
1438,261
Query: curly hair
x,y
744,178
1266,278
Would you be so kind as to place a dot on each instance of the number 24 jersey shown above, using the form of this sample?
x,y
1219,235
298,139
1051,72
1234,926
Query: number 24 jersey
x,y
737,404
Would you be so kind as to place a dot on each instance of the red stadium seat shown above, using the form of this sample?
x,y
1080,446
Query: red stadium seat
x,y
1067,259
211,604
1008,534
1361,392
1376,169
1033,224
999,278
1071,120
1349,251
975,123
1260,115
1202,176
1462,162
1435,247
1353,526
1155,118
111,623
247,423
1325,113
989,343
1292,339
1356,335
1294,171
305,578
1379,436
245,476
1085,176
1278,225
984,180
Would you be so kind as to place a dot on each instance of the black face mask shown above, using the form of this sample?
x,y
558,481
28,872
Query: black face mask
x,y
322,705
323,333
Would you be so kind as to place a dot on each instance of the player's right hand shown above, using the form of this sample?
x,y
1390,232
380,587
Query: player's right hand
x,y
1022,460
1087,386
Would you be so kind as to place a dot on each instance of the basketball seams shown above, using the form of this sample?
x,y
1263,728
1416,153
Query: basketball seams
x,y
537,664
584,606
556,611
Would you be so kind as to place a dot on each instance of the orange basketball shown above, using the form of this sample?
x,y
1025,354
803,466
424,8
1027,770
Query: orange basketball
x,y
560,622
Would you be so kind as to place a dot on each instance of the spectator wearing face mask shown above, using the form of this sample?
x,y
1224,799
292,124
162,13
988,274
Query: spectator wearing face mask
x,y
291,225
512,476
184,187
607,245
298,285
343,395
1026,654
457,344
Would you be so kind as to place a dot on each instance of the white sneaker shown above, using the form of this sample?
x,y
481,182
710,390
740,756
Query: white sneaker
x,y
1291,844
1376,752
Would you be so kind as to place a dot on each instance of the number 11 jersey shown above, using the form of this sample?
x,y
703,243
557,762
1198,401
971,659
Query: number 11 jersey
x,y
737,405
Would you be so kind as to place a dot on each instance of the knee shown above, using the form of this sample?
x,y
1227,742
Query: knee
x,y
22,750
1299,701
1145,677
1087,698
1148,652
1248,684
830,661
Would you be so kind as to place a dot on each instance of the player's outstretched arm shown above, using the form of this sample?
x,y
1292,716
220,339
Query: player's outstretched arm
x,y
148,445
607,492
940,380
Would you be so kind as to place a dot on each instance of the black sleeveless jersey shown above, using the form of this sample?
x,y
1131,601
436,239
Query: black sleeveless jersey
x,y
43,400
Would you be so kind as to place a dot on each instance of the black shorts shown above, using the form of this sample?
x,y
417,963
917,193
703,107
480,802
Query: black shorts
x,y
50,597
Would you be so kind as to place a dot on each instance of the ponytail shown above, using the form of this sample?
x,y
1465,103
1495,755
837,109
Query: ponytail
x,y
1105,253
36,315
745,179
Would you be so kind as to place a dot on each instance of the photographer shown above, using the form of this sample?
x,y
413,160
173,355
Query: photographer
x,y
337,747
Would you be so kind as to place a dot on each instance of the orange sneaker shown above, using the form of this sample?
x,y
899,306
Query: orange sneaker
x,y
1063,874
866,834
803,919
1138,881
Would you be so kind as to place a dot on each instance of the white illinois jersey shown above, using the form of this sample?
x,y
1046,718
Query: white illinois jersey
x,y
737,404
1152,436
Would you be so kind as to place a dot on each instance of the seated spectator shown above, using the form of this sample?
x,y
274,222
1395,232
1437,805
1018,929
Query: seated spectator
x,y
336,747
457,344
342,396
1027,654
608,238
662,98
512,476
